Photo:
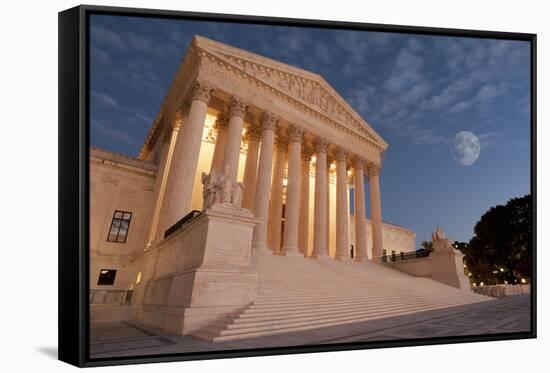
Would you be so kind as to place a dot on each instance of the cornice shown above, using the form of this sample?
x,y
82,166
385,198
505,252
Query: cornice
x,y
274,77
264,72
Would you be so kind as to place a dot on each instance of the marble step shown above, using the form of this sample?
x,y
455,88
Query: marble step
x,y
102,312
277,319
218,335
271,297
254,311
268,303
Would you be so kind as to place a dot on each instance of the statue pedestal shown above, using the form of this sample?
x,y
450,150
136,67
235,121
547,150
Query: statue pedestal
x,y
202,272
446,265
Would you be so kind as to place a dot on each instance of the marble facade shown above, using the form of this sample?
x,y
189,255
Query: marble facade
x,y
293,143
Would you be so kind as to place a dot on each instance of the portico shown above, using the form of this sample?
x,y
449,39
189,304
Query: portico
x,y
240,200
283,132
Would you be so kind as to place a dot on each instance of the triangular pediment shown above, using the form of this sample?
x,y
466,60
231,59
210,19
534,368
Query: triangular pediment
x,y
311,89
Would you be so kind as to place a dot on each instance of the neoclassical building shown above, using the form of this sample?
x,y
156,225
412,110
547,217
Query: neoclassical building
x,y
248,158
279,118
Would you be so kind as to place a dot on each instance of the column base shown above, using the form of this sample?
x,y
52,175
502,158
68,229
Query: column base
x,y
376,259
258,247
320,256
291,252
343,258
360,259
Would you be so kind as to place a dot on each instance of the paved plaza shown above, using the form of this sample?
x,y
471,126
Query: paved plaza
x,y
503,315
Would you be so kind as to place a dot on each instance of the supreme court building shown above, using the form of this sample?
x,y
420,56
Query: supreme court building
x,y
244,180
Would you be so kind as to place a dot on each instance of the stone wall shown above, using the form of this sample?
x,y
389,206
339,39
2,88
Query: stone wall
x,y
118,182
395,237
502,290
444,265
419,267
201,272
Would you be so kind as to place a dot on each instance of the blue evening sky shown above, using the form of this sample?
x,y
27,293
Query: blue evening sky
x,y
416,91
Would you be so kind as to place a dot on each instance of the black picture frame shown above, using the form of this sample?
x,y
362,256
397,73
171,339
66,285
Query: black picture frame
x,y
74,183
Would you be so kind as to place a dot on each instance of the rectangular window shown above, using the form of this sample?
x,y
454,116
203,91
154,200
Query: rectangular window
x,y
119,226
106,277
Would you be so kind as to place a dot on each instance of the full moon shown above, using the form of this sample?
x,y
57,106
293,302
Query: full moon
x,y
466,148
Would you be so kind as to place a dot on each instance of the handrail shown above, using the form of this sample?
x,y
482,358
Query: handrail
x,y
186,219
393,257
110,296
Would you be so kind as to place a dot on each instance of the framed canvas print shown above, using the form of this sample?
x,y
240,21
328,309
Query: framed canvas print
x,y
238,186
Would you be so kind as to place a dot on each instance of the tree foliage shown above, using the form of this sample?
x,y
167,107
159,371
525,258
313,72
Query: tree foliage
x,y
427,245
502,242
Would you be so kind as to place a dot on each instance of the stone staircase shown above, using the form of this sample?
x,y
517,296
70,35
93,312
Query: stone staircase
x,y
112,312
297,294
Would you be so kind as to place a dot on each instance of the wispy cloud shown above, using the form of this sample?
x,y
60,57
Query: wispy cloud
x,y
113,134
103,36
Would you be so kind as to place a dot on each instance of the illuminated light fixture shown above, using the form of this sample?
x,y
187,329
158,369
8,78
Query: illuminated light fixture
x,y
104,272
502,270
505,282
285,181
138,278
495,272
464,265
481,283
475,284
523,281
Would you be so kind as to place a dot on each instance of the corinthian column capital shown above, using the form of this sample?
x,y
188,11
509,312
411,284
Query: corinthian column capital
x,y
269,121
253,133
373,170
202,91
237,107
358,163
295,134
307,153
281,142
340,154
320,145
221,121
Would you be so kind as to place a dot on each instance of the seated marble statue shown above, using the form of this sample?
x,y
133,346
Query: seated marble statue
x,y
438,235
220,188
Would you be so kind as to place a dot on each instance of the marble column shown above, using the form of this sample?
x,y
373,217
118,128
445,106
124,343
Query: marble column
x,y
320,247
329,162
263,183
168,143
237,112
292,209
342,221
252,136
221,137
360,253
303,234
376,212
276,203
177,201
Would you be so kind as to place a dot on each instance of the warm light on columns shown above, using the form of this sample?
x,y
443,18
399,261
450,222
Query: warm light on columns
x,y
292,209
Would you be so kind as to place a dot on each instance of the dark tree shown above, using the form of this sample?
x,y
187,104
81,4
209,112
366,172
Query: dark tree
x,y
502,242
427,245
